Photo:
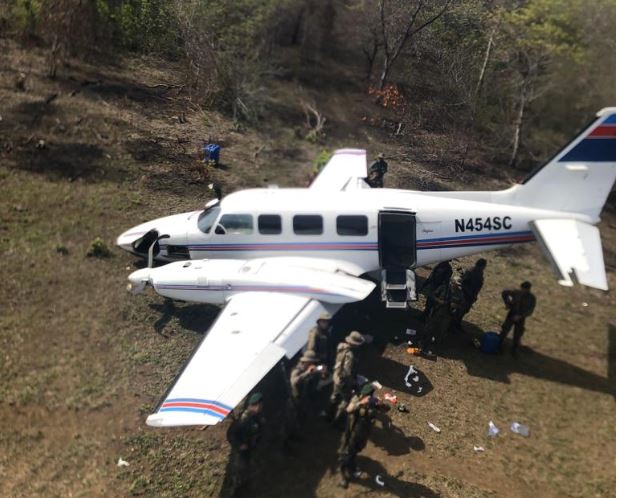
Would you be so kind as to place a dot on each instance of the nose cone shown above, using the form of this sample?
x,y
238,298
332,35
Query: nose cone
x,y
175,226
125,240
138,280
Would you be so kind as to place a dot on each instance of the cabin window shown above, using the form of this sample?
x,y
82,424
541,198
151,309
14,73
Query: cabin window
x,y
307,224
235,224
207,218
270,224
352,225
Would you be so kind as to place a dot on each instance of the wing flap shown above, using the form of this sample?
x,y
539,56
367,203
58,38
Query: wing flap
x,y
574,248
343,171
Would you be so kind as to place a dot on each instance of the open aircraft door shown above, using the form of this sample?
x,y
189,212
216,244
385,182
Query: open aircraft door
x,y
397,252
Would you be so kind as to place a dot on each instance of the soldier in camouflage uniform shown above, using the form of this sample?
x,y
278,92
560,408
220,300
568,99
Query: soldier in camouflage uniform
x,y
471,284
377,172
448,301
345,373
303,380
319,339
362,411
440,274
521,304
245,433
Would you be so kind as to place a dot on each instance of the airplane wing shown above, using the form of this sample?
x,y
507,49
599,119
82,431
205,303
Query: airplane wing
x,y
574,249
252,333
346,170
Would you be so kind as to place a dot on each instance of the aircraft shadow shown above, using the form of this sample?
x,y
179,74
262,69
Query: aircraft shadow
x,y
299,471
195,317
459,346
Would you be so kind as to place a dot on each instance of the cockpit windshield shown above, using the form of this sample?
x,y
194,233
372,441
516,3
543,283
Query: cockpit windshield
x,y
207,218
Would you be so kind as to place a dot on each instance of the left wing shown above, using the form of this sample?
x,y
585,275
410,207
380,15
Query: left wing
x,y
346,170
574,249
252,333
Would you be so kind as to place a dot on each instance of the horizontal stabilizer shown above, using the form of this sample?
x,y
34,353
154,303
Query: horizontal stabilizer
x,y
574,249
345,171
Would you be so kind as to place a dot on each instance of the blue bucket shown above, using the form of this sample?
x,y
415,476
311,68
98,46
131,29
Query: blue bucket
x,y
490,343
211,153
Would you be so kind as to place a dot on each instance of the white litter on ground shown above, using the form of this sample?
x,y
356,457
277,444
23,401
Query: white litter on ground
x,y
517,428
122,463
478,449
493,430
434,427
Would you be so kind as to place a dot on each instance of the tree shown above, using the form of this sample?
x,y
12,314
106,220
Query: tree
x,y
399,22
535,39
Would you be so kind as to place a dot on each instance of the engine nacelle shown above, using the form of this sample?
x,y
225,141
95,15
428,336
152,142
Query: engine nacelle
x,y
215,281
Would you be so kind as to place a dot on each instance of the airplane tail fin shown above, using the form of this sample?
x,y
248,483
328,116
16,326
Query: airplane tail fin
x,y
579,178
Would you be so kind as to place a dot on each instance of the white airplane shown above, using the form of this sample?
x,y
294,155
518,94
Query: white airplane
x,y
277,258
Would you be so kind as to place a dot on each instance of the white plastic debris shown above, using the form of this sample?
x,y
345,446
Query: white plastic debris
x,y
411,332
517,428
433,427
493,430
411,371
122,463
478,449
379,480
585,304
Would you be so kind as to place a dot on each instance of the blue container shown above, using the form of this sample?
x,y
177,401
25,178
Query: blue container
x,y
490,343
211,153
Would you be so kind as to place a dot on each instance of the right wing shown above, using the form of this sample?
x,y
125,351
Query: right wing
x,y
574,249
252,333
346,170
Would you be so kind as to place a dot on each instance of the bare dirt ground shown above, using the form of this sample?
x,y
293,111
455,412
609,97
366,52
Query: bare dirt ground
x,y
82,363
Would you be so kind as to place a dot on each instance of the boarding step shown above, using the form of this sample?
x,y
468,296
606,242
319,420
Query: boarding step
x,y
396,299
398,287
394,279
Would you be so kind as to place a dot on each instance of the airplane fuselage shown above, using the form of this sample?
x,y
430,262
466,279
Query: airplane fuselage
x,y
340,226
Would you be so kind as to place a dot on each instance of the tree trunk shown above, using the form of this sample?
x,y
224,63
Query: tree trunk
x,y
385,73
484,66
518,125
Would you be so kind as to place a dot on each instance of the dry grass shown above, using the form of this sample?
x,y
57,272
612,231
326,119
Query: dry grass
x,y
82,362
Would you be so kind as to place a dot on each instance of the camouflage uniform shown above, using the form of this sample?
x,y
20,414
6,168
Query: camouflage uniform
x,y
303,380
377,172
319,341
345,373
440,274
521,304
362,411
440,316
244,438
472,282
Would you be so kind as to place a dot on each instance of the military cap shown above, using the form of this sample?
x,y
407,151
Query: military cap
x,y
367,389
355,338
255,398
310,357
324,316
525,285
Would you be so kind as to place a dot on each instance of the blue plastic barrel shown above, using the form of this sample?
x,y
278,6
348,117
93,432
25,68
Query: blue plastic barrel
x,y
211,153
490,343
